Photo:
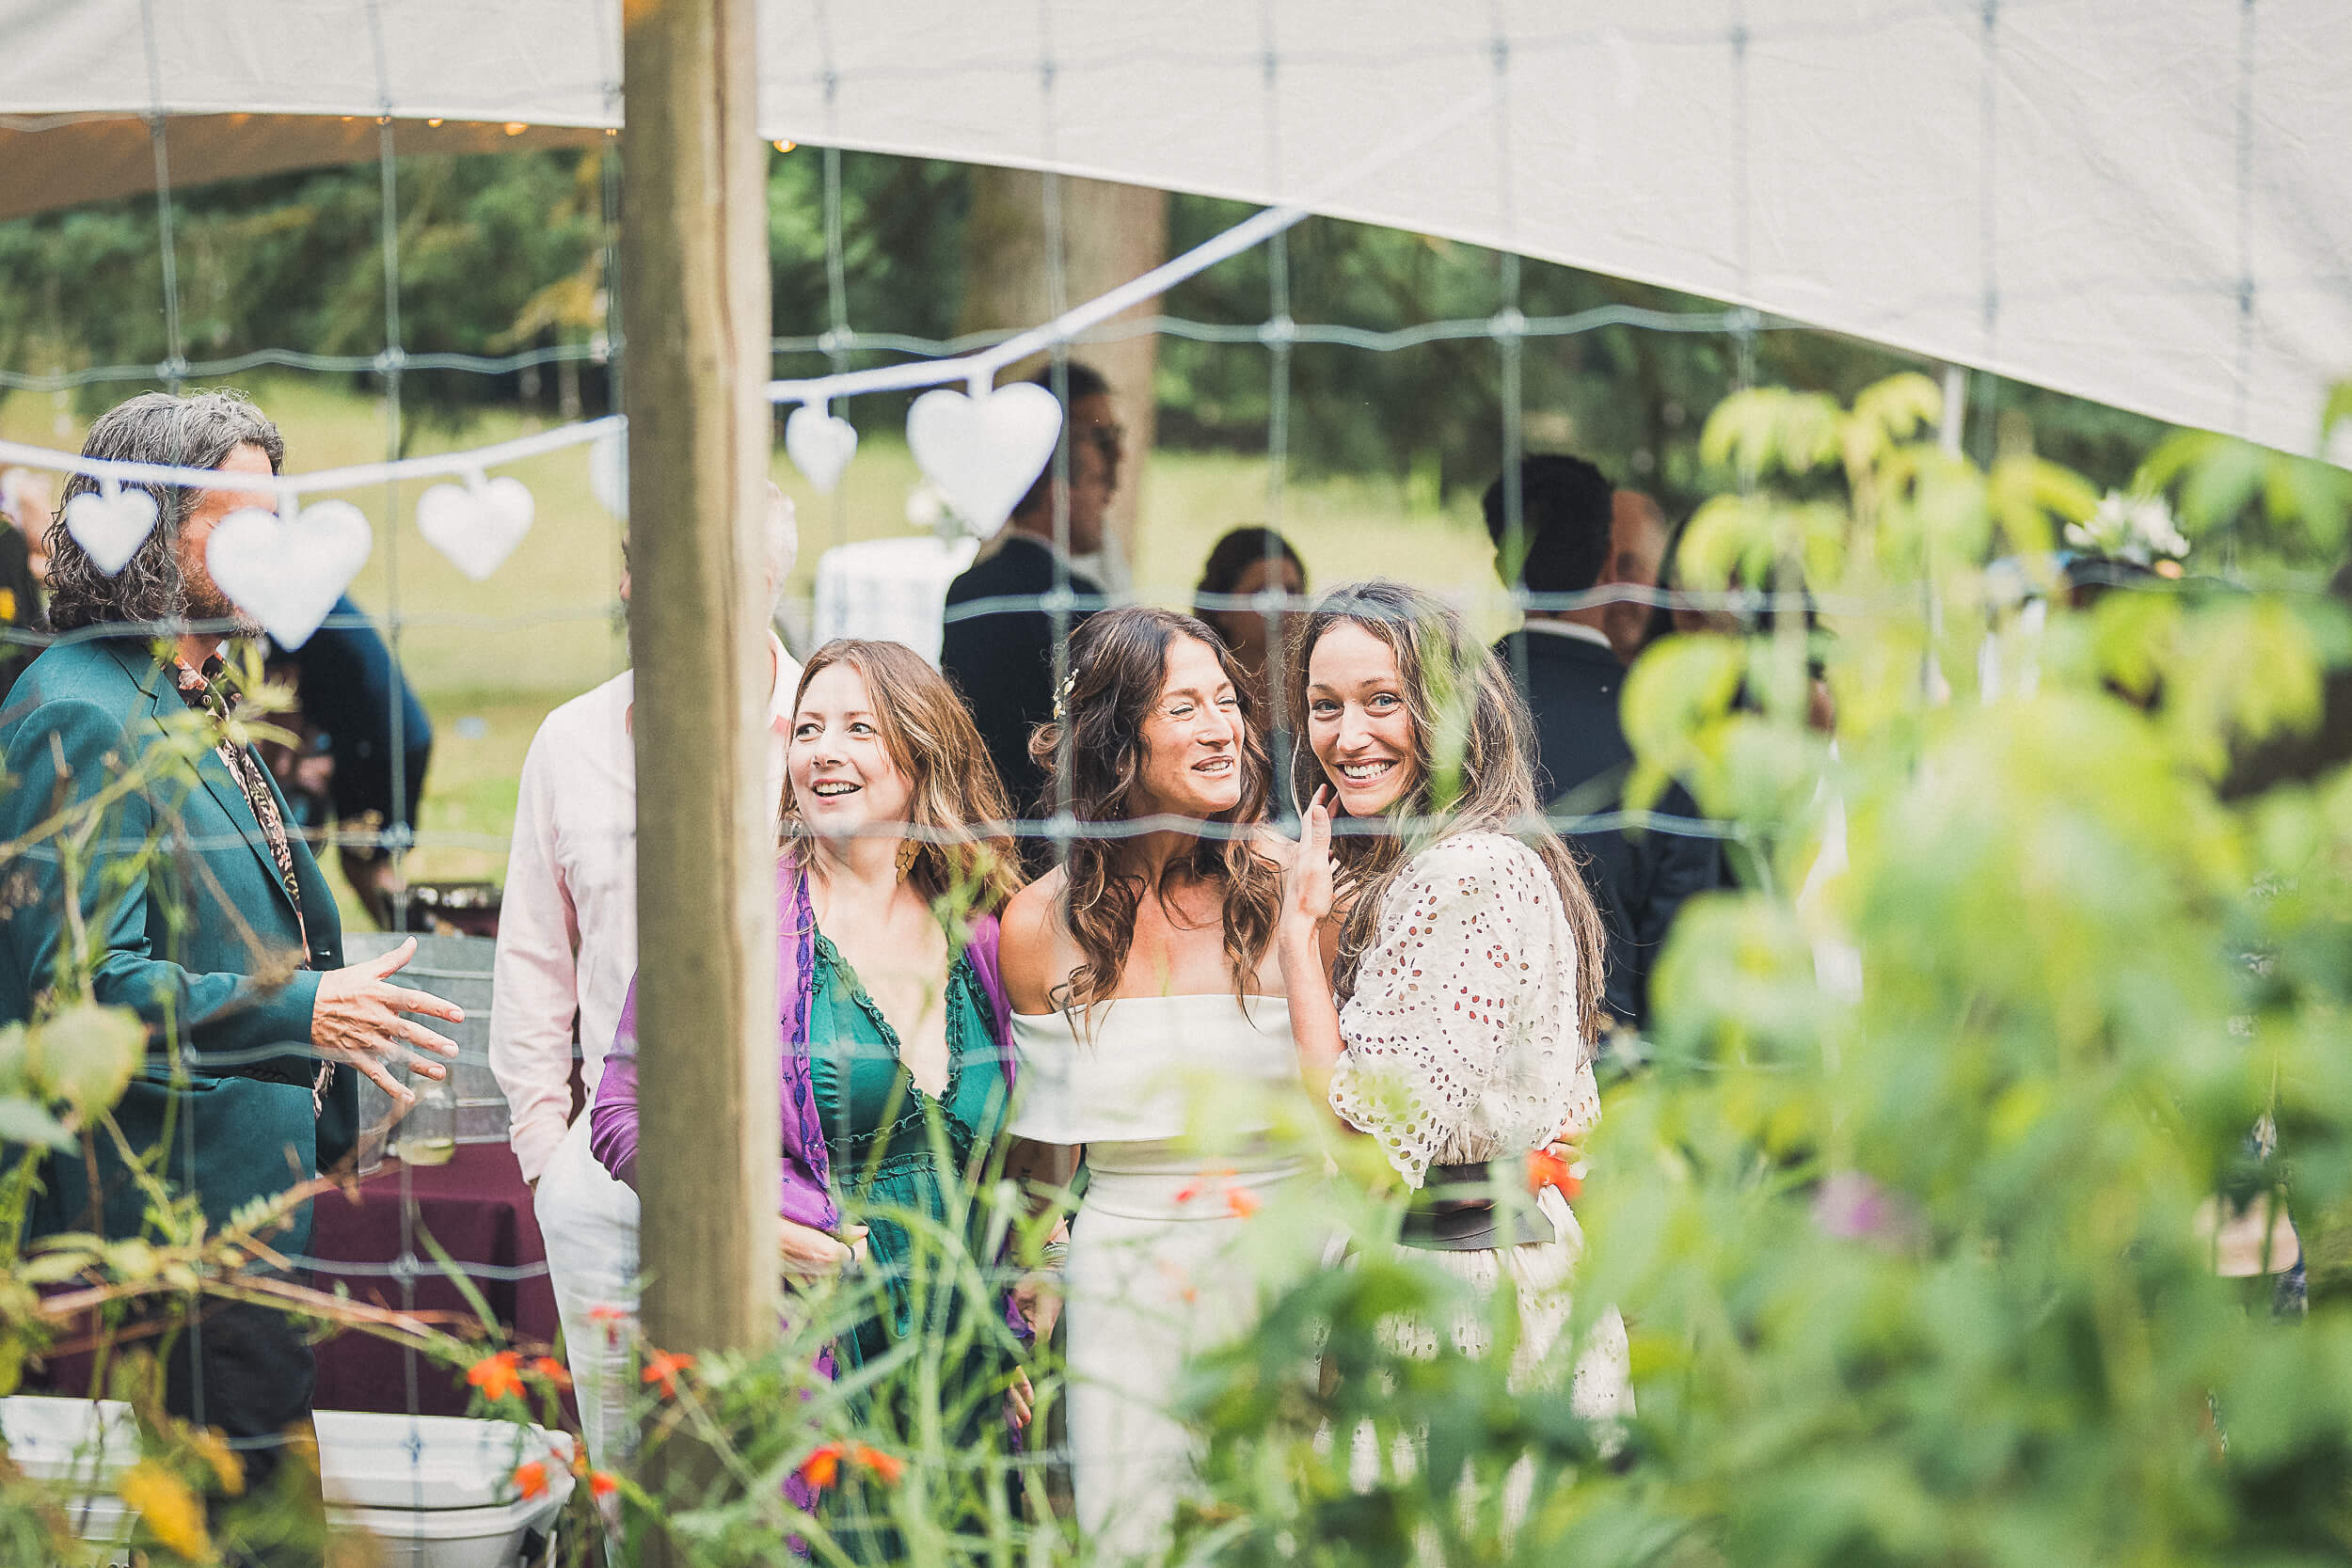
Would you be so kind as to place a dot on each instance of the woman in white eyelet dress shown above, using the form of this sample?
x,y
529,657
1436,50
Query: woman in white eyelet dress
x,y
1462,1049
1445,998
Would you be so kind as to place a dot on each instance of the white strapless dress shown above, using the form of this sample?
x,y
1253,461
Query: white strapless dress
x,y
1155,1273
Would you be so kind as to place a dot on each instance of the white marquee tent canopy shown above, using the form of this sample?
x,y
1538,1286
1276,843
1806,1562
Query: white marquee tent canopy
x,y
2144,202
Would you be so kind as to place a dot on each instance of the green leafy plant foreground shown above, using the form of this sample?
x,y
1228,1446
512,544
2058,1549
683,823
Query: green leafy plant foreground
x,y
1908,1208
1904,1213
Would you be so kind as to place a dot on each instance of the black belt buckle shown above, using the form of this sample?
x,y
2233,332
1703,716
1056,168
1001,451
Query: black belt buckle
x,y
1445,1218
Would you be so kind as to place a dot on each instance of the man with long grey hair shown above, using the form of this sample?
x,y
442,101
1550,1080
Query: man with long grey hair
x,y
194,908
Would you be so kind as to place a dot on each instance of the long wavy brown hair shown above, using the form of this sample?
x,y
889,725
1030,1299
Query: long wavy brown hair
x,y
964,851
1474,753
1118,665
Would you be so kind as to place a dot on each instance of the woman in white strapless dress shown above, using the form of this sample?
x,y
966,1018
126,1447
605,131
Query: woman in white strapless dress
x,y
1146,1002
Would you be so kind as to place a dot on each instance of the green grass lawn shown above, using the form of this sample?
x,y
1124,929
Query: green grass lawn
x,y
490,658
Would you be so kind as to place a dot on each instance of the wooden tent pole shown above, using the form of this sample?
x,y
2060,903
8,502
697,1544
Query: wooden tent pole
x,y
694,292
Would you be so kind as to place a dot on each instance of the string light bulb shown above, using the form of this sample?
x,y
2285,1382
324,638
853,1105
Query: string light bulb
x,y
782,146
516,127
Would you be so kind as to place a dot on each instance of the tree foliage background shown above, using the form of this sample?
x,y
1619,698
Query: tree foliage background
x,y
503,252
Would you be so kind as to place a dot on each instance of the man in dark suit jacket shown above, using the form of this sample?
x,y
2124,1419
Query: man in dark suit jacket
x,y
347,687
1002,657
1562,662
198,912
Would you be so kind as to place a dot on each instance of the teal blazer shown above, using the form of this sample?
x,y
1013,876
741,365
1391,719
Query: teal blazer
x,y
188,926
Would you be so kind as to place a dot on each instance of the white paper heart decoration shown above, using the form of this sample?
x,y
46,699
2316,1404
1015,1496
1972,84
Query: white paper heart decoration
x,y
821,446
111,527
608,474
288,576
477,529
984,452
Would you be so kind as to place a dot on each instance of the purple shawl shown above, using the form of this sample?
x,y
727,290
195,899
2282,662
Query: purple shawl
x,y
806,1197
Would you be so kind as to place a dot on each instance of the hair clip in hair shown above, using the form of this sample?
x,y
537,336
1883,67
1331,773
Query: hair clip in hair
x,y
1062,697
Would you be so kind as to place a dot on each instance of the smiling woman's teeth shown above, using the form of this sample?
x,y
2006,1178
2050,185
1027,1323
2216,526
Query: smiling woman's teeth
x,y
1361,770
832,789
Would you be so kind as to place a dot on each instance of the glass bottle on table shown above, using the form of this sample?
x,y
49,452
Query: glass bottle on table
x,y
427,1135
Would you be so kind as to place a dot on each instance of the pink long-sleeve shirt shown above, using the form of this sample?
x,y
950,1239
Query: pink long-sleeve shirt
x,y
567,931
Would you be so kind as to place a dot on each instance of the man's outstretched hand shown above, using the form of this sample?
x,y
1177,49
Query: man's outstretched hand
x,y
357,1021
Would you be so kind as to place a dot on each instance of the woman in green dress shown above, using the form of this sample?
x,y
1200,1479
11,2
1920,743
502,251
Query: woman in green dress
x,y
904,1152
897,1070
908,1069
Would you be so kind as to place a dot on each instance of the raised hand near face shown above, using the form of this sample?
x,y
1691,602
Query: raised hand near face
x,y
1308,885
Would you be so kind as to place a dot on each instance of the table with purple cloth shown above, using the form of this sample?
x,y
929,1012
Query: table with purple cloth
x,y
478,1210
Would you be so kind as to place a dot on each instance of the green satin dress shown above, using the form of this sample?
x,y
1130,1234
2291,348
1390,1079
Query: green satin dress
x,y
898,1153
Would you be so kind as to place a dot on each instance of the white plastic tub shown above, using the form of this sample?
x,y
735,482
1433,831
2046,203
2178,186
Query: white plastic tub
x,y
438,1491
434,1491
81,1448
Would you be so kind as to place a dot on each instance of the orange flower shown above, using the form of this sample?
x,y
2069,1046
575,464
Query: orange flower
x,y
1547,1170
552,1370
615,1321
498,1376
823,1465
663,1369
602,1483
886,1466
1241,1202
530,1478
1200,1184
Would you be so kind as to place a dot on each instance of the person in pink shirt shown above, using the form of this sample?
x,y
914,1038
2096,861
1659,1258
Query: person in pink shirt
x,y
566,949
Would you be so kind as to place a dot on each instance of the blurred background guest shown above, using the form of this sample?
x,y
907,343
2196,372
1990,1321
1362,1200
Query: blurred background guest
x,y
1666,619
27,509
349,748
1729,615
28,499
1248,561
1568,671
1002,659
1638,534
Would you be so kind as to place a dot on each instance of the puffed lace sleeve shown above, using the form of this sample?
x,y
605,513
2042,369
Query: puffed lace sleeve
x,y
1460,1041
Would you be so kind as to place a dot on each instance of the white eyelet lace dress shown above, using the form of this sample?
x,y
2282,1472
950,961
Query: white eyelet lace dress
x,y
1159,1265
1461,1046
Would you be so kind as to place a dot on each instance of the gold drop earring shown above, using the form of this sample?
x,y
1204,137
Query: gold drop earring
x,y
908,849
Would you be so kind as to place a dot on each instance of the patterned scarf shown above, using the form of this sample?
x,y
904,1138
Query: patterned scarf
x,y
207,691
